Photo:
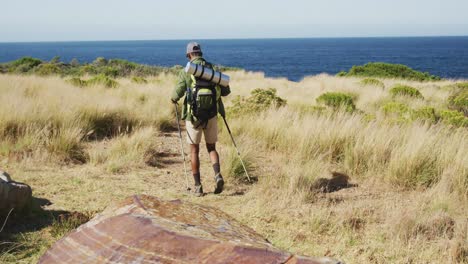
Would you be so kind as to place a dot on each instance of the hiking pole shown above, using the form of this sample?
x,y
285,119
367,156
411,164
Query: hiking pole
x,y
235,146
182,146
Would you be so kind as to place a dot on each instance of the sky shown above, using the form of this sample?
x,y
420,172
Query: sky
x,y
67,20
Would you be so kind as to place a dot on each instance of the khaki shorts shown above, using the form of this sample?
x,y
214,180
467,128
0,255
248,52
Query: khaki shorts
x,y
210,133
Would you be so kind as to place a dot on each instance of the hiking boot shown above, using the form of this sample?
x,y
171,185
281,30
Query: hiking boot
x,y
219,184
198,191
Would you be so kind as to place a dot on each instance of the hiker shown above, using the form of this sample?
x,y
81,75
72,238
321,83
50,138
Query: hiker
x,y
200,109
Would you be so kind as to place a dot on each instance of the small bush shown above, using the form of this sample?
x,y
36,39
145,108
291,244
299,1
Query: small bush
x,y
342,74
459,101
399,112
99,62
453,118
395,107
260,100
103,80
372,82
403,113
139,80
47,69
23,65
266,98
425,114
387,70
88,69
109,71
77,82
404,90
33,62
337,100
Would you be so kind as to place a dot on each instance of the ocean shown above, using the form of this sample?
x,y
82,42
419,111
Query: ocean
x,y
290,58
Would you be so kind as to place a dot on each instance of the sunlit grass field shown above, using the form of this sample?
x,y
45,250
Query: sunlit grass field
x,y
403,151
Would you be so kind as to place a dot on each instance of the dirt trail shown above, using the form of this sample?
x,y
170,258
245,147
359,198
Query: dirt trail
x,y
171,160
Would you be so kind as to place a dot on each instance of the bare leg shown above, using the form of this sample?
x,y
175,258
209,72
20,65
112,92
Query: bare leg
x,y
216,167
195,160
214,157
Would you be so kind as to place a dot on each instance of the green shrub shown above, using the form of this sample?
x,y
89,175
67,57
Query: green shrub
x,y
342,74
139,80
260,100
76,81
395,108
404,90
372,82
33,62
387,70
23,65
463,85
425,114
266,98
47,69
88,69
459,101
396,112
102,80
109,71
99,62
337,100
453,118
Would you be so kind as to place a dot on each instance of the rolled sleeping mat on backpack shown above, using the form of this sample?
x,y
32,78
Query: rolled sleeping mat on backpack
x,y
207,74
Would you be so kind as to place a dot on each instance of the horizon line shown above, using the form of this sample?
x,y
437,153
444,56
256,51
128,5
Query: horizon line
x,y
261,38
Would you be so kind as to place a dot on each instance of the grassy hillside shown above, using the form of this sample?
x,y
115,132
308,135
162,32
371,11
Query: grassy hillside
x,y
83,146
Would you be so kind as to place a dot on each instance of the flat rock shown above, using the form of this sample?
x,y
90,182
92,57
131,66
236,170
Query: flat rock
x,y
145,229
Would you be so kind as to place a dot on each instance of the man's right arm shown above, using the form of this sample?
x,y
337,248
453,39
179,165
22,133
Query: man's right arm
x,y
180,88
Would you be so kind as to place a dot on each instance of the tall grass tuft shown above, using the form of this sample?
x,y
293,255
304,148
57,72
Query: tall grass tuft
x,y
409,156
232,166
48,119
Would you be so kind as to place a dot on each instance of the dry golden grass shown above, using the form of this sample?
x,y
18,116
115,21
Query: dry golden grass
x,y
83,148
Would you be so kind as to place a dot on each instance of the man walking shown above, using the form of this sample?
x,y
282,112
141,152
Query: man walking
x,y
202,103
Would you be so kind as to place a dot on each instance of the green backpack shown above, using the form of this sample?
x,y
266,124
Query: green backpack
x,y
202,100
